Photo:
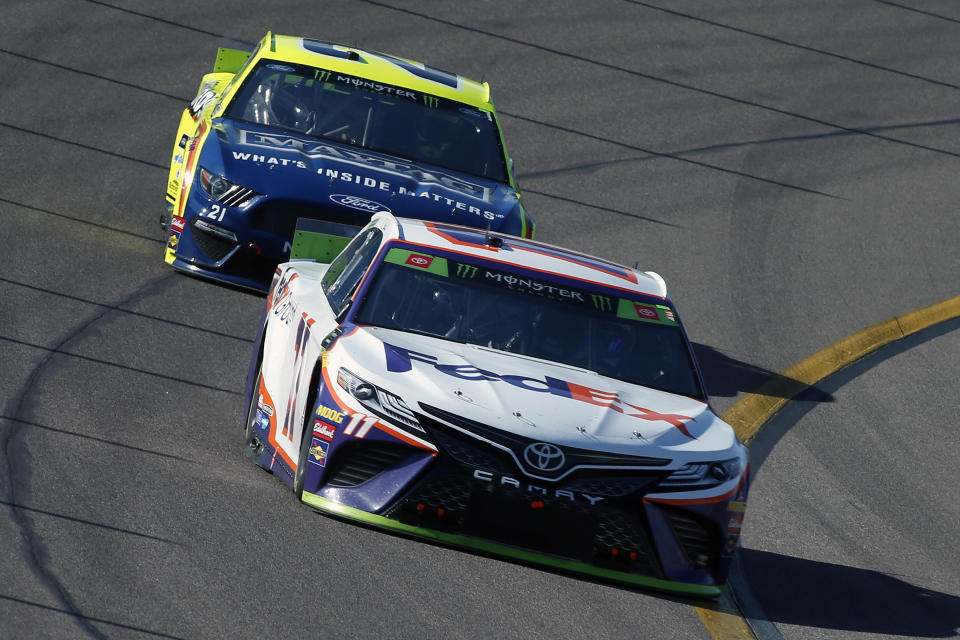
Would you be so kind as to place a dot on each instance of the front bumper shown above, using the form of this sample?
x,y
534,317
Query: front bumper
x,y
506,551
606,524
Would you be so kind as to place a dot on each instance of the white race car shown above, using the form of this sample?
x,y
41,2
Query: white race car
x,y
498,394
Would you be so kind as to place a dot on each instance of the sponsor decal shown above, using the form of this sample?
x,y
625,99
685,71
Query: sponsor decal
x,y
542,288
466,271
645,311
281,301
173,240
376,87
400,360
735,523
431,101
205,97
737,506
418,260
323,430
329,414
263,406
731,545
507,481
318,452
177,224
321,150
361,204
281,67
603,303
543,456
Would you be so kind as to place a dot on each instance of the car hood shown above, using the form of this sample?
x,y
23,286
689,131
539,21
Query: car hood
x,y
289,165
534,398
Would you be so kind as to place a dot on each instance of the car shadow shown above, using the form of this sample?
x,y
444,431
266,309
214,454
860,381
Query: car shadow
x,y
726,377
822,595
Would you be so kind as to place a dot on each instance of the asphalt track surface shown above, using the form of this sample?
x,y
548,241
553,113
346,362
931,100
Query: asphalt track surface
x,y
789,167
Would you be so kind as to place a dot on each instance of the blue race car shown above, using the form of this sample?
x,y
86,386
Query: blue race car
x,y
306,129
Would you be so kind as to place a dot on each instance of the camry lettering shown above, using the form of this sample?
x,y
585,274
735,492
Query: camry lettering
x,y
507,481
400,360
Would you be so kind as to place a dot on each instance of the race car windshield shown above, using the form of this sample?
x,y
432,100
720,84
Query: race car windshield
x,y
639,342
372,115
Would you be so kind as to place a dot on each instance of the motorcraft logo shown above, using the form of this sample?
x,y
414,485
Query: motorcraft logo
x,y
543,456
361,204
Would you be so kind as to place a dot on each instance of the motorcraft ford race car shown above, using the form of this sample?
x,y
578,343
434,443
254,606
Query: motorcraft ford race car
x,y
306,129
501,395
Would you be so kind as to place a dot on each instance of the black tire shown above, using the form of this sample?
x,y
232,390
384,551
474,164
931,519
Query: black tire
x,y
250,429
306,435
301,472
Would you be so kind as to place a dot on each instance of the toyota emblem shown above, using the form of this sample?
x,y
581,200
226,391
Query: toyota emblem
x,y
543,456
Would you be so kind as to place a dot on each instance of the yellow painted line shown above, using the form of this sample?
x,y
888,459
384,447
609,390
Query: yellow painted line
x,y
748,415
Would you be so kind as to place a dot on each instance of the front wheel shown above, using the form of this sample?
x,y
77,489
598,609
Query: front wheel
x,y
306,434
250,430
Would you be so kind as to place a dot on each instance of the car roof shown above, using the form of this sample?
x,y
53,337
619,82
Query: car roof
x,y
530,254
381,67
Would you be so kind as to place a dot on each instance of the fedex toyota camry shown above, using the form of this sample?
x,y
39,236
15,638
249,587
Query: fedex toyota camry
x,y
301,128
497,394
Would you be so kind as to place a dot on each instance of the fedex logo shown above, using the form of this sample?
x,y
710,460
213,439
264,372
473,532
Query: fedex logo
x,y
400,360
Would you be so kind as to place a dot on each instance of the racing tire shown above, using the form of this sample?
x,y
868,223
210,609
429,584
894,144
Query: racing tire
x,y
250,429
306,434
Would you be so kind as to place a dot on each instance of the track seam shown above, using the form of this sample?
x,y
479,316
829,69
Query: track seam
x,y
35,552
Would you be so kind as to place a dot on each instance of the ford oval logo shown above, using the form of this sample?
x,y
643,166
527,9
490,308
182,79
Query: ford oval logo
x,y
368,206
543,456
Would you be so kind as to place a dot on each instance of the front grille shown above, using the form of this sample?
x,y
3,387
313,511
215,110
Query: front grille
x,y
215,247
539,520
699,538
280,216
358,462
450,493
611,487
472,453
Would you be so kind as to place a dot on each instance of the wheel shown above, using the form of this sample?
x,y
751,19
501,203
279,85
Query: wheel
x,y
306,435
250,429
298,478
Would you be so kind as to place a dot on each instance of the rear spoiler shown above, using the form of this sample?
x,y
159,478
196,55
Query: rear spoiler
x,y
231,54
320,240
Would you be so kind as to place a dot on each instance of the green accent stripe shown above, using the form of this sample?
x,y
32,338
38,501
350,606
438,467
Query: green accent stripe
x,y
493,548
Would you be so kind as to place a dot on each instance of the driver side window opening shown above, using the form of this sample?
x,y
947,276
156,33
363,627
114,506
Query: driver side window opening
x,y
347,269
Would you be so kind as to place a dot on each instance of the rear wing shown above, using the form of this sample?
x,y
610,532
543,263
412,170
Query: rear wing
x,y
320,240
231,54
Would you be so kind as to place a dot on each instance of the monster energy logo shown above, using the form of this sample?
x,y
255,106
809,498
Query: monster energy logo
x,y
603,303
431,101
322,75
466,271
